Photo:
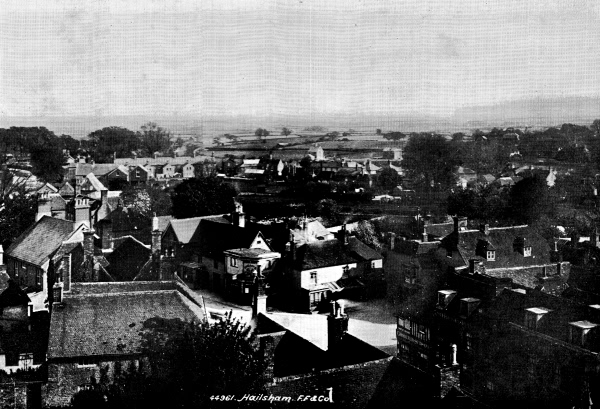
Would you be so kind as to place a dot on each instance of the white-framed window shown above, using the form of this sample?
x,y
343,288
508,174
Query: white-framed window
x,y
404,323
527,251
233,262
26,360
491,255
86,362
313,277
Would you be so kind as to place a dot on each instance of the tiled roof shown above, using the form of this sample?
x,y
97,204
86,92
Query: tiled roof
x,y
163,222
504,241
362,250
38,242
216,237
325,253
95,322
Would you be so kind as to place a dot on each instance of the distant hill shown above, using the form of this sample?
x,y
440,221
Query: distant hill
x,y
535,112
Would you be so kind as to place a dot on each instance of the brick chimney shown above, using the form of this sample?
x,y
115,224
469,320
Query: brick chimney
x,y
44,206
66,272
82,212
88,256
292,245
337,325
238,216
156,247
259,301
343,235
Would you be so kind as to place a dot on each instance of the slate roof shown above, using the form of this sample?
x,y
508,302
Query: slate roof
x,y
96,184
158,161
106,319
98,169
57,202
66,189
42,239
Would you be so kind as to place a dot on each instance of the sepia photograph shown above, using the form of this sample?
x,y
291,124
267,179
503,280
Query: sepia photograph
x,y
296,204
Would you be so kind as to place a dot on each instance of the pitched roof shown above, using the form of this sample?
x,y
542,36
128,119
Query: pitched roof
x,y
106,318
185,229
13,296
98,169
325,253
160,160
363,251
505,241
96,184
38,242
216,236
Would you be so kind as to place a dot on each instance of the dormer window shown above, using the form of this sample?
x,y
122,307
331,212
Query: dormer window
x,y
580,332
491,255
445,297
468,306
534,316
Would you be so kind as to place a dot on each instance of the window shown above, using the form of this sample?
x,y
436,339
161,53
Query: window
x,y
233,262
404,323
137,173
403,349
468,341
59,275
86,362
527,251
491,255
313,277
38,277
26,361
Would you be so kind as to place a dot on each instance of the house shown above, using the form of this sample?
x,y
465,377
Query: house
x,y
517,252
117,177
187,170
533,349
138,175
316,152
244,266
28,259
95,328
320,265
23,343
90,184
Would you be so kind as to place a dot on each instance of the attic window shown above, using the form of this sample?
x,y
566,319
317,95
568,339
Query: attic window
x,y
527,251
533,317
491,255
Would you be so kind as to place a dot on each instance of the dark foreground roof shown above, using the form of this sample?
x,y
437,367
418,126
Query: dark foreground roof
x,y
105,319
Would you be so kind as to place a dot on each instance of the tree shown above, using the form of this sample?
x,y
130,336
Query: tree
x,y
113,140
388,178
367,233
378,131
530,199
154,139
147,201
201,197
394,136
261,132
595,127
286,131
189,362
429,160
18,207
179,142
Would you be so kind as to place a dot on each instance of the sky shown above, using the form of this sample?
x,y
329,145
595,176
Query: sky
x,y
277,58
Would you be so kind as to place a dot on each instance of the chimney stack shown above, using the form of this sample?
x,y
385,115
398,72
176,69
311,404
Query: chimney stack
x,y
44,206
472,266
425,235
337,325
66,272
156,247
460,223
57,294
392,240
88,253
238,216
485,229
343,235
82,212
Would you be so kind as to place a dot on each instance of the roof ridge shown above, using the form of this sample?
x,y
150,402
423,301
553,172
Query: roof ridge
x,y
120,293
